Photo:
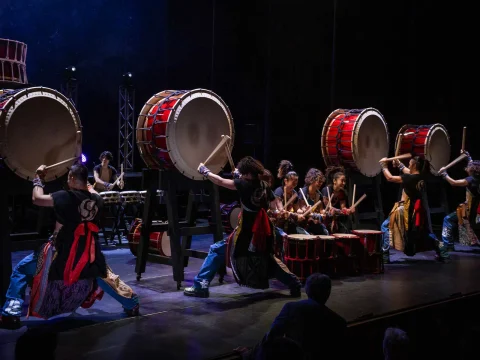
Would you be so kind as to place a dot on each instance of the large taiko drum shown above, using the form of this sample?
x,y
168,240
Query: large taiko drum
x,y
302,254
13,57
38,126
430,142
370,251
180,129
354,139
159,241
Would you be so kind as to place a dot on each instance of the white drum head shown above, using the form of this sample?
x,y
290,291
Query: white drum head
x,y
370,142
302,237
194,130
166,244
39,126
437,148
234,217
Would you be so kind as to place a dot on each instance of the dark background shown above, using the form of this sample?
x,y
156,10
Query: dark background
x,y
281,65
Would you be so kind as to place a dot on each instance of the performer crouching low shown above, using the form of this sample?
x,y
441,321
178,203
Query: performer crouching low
x,y
251,243
468,213
70,270
416,228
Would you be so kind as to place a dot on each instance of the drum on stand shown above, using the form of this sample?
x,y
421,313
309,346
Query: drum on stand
x,y
57,131
180,129
130,197
353,138
370,251
230,216
110,197
430,142
346,253
13,58
302,254
159,242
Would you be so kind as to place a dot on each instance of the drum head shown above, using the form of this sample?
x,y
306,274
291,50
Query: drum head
x,y
166,244
370,142
326,237
234,217
339,235
39,126
437,148
376,232
302,237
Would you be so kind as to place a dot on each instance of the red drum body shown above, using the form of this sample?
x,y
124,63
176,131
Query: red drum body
x,y
430,142
356,139
230,215
345,253
180,129
159,241
302,254
13,57
370,251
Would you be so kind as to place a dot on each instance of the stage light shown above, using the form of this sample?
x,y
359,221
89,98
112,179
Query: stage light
x,y
127,78
84,158
70,72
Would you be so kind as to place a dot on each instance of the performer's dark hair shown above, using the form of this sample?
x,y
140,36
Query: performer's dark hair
x,y
106,154
284,168
474,168
422,165
79,172
290,175
314,175
267,177
318,287
333,173
249,165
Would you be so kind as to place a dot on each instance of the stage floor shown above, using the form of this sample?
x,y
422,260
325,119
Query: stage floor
x,y
174,326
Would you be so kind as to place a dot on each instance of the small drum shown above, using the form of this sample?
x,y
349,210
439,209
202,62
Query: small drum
x,y
230,215
430,142
130,197
110,197
302,254
354,138
159,241
180,129
143,194
370,251
346,253
13,58
56,126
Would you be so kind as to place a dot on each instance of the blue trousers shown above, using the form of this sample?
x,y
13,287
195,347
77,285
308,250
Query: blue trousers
x,y
23,274
216,259
386,234
449,229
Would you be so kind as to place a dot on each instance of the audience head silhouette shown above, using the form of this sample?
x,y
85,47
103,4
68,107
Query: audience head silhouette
x,y
318,287
395,344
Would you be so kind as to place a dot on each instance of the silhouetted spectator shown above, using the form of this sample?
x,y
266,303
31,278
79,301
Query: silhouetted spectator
x,y
396,344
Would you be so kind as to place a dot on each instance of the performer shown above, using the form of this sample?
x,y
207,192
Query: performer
x,y
284,168
471,207
68,271
252,260
338,220
314,181
416,227
105,174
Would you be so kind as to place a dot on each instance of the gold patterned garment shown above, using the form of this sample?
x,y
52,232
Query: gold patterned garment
x,y
398,226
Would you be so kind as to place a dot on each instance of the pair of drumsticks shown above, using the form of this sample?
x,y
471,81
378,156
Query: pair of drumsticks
x,y
330,196
225,142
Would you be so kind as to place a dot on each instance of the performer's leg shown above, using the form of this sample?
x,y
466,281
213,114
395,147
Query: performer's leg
x,y
450,226
214,260
120,292
22,275
386,240
440,249
281,273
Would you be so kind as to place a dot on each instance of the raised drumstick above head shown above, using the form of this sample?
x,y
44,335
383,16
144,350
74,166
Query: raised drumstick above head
x,y
224,139
464,138
62,162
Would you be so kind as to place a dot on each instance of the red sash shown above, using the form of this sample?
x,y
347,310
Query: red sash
x,y
419,213
261,229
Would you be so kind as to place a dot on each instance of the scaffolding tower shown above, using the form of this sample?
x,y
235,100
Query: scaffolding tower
x,y
69,87
126,127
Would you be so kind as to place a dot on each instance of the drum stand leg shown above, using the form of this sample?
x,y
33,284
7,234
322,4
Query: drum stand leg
x,y
5,240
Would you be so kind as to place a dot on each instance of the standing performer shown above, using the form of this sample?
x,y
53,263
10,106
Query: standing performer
x,y
314,181
252,258
105,174
338,215
469,209
68,271
416,226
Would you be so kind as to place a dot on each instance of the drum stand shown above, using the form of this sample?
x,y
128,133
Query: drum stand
x,y
5,240
180,232
363,184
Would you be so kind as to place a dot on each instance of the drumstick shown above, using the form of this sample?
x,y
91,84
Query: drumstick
x,y
360,200
117,181
61,163
284,196
294,196
354,188
312,208
304,198
399,143
219,146
329,199
404,156
458,159
464,137
229,155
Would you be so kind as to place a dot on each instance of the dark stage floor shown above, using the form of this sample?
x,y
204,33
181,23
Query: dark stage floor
x,y
172,326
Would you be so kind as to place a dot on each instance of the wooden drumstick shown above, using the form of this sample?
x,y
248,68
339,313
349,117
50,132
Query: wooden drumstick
x,y
312,208
399,144
229,155
464,137
61,163
360,200
458,159
225,138
284,196
403,156
329,199
294,196
304,198
353,197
